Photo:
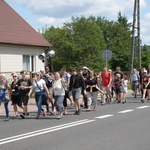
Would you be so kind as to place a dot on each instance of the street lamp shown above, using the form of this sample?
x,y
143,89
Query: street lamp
x,y
49,55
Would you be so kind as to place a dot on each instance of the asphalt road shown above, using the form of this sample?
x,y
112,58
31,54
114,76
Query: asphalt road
x,y
110,127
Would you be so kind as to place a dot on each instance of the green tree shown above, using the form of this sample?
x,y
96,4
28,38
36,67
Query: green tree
x,y
145,56
82,41
77,44
120,43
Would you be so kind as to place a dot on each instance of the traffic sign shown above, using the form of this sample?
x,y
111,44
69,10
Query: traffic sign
x,y
107,54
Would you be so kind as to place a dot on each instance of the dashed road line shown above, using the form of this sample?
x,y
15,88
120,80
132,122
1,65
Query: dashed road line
x,y
142,107
104,116
125,111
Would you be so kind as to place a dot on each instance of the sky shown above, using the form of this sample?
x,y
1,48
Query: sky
x,y
42,13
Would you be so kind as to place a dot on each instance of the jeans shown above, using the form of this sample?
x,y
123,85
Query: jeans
x,y
39,99
6,109
89,98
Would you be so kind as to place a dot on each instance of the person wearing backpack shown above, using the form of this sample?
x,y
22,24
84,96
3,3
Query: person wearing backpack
x,y
76,86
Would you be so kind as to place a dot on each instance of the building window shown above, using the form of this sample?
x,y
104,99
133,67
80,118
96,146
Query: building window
x,y
26,62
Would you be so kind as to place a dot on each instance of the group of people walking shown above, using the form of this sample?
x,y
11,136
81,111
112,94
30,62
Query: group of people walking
x,y
59,87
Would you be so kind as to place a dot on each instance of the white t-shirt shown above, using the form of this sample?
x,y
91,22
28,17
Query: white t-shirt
x,y
38,85
124,86
58,88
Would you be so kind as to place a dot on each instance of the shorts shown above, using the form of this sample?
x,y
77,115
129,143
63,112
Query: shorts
x,y
118,91
24,99
134,85
16,100
76,92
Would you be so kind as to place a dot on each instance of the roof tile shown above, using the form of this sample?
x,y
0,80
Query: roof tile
x,y
15,30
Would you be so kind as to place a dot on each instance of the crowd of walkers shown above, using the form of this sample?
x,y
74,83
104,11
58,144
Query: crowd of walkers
x,y
54,90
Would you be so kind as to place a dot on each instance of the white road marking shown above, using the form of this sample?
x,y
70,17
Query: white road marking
x,y
104,116
142,107
125,111
43,131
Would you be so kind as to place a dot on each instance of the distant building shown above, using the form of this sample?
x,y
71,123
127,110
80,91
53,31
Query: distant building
x,y
20,44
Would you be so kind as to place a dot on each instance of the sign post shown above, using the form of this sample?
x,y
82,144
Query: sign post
x,y
106,55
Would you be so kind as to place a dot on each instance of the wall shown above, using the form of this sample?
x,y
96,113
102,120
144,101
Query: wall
x,y
11,58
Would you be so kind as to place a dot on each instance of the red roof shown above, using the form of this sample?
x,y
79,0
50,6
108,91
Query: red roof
x,y
15,30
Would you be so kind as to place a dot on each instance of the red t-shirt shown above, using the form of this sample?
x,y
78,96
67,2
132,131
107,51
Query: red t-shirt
x,y
106,76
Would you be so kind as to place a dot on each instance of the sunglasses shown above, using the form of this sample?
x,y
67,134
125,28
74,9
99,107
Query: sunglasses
x,y
14,76
37,75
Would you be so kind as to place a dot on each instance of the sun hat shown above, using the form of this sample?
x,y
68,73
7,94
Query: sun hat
x,y
41,70
118,75
85,68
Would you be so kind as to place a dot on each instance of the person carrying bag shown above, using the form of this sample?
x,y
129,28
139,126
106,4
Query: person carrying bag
x,y
41,93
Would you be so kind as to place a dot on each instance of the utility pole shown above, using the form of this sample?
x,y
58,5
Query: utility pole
x,y
138,33
136,18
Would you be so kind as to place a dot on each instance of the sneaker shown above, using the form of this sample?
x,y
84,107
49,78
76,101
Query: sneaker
x,y
79,112
53,113
37,117
6,119
44,114
65,112
60,116
22,116
75,113
28,115
102,104
81,105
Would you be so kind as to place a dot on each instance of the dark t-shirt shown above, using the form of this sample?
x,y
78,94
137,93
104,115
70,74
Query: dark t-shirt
x,y
76,81
47,80
87,76
24,82
14,88
91,83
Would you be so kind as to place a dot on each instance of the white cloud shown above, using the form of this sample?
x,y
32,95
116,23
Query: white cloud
x,y
56,12
66,8
147,16
50,21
